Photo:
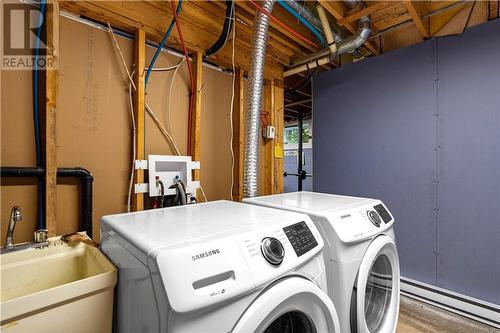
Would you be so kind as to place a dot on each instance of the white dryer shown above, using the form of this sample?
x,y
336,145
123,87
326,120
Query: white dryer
x,y
360,255
218,267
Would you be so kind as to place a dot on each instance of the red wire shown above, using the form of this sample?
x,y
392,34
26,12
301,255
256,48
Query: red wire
x,y
191,95
290,30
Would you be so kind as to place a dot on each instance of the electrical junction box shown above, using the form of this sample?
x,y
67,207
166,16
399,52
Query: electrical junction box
x,y
166,168
269,132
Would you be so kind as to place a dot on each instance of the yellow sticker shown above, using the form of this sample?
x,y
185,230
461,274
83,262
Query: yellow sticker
x,y
278,151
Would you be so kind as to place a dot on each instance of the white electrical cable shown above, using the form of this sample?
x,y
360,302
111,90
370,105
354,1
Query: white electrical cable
x,y
134,153
151,113
169,121
232,109
161,127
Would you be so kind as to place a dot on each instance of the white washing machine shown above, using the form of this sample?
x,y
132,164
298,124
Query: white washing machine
x,y
218,267
360,255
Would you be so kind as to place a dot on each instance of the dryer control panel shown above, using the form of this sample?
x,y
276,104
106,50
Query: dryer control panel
x,y
301,238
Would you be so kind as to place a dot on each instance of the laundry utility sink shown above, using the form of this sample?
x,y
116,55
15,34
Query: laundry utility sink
x,y
58,288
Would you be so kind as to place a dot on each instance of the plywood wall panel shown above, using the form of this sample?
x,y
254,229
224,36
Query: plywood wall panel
x,y
93,120
18,149
94,131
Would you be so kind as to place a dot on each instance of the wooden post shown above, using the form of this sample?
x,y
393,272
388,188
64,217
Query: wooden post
x,y
269,174
51,86
138,100
238,134
279,122
196,115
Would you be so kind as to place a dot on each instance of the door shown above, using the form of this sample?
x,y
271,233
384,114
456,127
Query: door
x,y
294,304
298,156
375,302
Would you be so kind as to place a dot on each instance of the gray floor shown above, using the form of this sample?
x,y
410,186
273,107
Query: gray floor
x,y
416,317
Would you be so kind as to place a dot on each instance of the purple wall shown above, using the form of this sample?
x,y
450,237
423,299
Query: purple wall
x,y
420,128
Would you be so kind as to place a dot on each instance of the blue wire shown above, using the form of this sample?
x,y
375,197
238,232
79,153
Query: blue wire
x,y
163,41
36,118
302,20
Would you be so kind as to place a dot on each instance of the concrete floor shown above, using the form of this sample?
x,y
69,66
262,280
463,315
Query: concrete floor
x,y
418,317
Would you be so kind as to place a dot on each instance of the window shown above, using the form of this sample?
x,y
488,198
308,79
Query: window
x,y
291,137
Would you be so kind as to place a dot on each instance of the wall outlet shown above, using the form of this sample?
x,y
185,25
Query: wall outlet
x,y
269,132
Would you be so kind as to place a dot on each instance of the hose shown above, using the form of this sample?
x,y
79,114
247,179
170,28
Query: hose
x,y
302,20
226,31
162,43
36,118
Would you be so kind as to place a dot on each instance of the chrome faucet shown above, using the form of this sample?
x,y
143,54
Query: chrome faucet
x,y
15,216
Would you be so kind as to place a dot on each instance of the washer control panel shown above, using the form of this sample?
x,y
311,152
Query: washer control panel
x,y
384,214
301,238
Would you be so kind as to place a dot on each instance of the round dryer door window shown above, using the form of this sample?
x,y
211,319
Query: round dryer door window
x,y
378,293
294,304
377,297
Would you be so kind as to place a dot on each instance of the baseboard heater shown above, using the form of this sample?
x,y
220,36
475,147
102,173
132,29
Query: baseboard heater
x,y
466,306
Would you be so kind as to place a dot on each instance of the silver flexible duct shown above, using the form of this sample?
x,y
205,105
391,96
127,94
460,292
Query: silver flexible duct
x,y
255,84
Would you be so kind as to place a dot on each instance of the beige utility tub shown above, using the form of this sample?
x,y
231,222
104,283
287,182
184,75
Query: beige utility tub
x,y
59,288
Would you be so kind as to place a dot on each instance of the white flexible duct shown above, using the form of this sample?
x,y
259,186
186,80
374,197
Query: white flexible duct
x,y
255,84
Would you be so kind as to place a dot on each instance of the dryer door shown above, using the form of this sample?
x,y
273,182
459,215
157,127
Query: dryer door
x,y
376,305
293,304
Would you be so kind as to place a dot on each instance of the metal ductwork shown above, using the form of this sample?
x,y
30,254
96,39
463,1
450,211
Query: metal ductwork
x,y
347,45
255,86
353,43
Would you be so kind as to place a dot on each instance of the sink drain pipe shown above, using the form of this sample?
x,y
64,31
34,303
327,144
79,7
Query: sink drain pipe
x,y
255,86
86,180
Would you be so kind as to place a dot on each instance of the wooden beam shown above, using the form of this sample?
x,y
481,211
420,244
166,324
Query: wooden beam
x,y
238,134
363,12
138,100
493,9
51,88
305,102
196,116
279,121
415,14
268,160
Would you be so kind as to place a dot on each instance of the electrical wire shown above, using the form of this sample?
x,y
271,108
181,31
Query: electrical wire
x,y
121,55
152,114
232,110
190,70
163,41
134,152
283,25
161,127
169,110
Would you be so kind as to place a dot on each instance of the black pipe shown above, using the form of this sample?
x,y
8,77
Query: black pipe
x,y
226,30
86,180
86,187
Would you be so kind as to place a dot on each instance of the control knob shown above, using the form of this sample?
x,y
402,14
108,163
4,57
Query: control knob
x,y
374,218
272,250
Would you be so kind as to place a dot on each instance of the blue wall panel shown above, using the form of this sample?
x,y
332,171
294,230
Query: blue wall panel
x,y
431,150
469,162
375,137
